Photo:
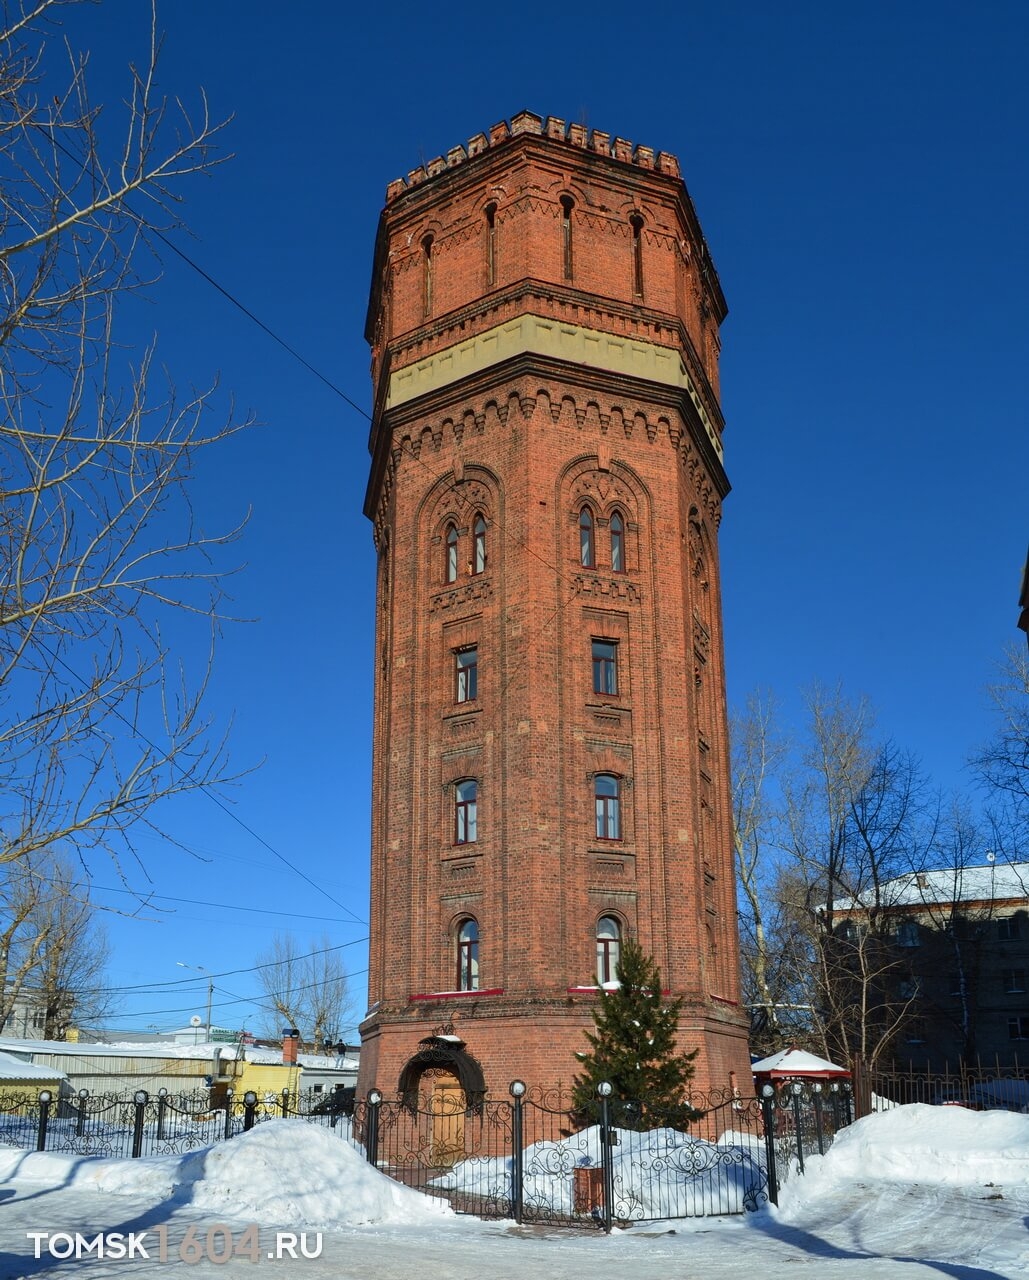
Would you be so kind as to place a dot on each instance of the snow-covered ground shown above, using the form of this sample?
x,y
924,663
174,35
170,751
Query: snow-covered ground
x,y
904,1195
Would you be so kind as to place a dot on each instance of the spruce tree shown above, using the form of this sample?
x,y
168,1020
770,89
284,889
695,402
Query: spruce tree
x,y
633,1048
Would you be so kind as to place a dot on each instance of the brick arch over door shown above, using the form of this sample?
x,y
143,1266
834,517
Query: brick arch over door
x,y
441,1054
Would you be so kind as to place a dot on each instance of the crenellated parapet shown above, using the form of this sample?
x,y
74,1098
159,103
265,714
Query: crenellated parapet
x,y
526,122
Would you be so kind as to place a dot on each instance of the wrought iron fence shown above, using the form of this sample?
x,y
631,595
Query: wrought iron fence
x,y
982,1086
527,1157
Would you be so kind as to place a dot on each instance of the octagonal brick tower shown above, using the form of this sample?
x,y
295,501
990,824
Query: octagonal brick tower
x,y
551,765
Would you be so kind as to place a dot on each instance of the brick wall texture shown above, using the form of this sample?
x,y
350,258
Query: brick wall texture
x,y
544,327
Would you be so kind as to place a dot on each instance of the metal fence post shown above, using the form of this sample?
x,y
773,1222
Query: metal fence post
x,y
285,1103
249,1110
371,1137
162,1107
80,1119
228,1113
768,1116
140,1099
816,1088
606,1158
45,1099
796,1089
517,1092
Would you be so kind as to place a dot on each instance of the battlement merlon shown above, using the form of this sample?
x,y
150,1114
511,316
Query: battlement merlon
x,y
594,141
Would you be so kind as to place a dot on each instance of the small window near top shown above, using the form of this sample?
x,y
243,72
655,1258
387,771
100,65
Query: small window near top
x,y
1014,981
636,222
479,545
609,946
427,275
605,666
450,562
617,544
1018,1028
587,550
567,204
467,670
468,955
491,244
607,804
907,934
1007,928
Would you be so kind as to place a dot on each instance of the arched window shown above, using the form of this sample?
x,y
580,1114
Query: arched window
x,y
466,805
479,545
468,955
427,275
609,949
606,799
617,544
450,563
636,222
567,204
491,244
587,551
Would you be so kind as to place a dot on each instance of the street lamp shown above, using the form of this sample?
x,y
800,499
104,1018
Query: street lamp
x,y
199,968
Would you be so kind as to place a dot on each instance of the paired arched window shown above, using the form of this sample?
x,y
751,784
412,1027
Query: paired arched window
x,y
466,812
468,955
609,949
607,802
617,528
479,545
587,543
450,558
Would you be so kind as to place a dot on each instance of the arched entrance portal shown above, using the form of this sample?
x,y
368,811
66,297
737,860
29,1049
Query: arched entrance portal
x,y
444,1084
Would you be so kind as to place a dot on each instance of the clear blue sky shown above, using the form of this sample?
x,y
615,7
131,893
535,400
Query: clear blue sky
x,y
860,172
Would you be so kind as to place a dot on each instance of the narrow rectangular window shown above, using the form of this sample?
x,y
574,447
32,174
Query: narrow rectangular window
x,y
566,235
1007,929
467,667
1014,981
605,666
1018,1028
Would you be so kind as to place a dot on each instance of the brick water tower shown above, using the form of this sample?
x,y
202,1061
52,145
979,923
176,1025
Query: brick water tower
x,y
551,765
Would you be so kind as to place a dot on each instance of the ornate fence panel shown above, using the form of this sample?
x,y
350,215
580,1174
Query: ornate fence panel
x,y
561,1163
715,1164
19,1119
443,1147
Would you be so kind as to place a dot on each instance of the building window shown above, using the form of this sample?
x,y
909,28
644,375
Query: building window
x,y
955,985
636,222
587,551
909,988
427,275
1014,981
450,564
468,955
617,544
567,204
907,934
467,668
1007,928
479,545
466,806
491,245
1018,1028
606,799
609,948
605,666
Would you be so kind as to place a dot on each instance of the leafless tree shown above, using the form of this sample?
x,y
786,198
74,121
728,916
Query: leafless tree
x,y
759,754
1002,764
858,814
55,947
98,540
305,988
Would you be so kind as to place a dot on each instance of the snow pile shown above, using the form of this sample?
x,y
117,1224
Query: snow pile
x,y
658,1174
281,1171
930,1146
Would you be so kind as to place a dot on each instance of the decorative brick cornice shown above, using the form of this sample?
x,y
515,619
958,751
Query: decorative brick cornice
x,y
526,122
